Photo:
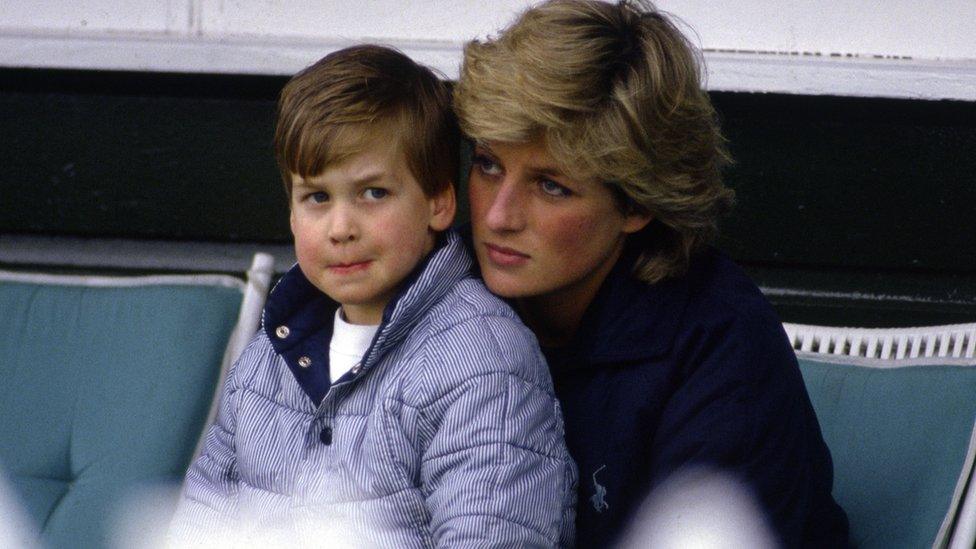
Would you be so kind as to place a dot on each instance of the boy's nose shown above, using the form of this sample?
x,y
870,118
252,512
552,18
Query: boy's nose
x,y
505,212
342,225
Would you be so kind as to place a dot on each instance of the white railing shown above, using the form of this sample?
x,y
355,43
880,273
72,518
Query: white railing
x,y
956,341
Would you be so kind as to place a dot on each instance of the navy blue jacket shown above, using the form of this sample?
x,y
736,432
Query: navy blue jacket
x,y
694,370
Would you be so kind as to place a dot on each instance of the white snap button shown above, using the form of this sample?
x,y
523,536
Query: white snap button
x,y
356,368
304,362
282,332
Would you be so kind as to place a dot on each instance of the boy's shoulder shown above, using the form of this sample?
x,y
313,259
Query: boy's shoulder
x,y
470,298
473,331
256,361
469,309
446,299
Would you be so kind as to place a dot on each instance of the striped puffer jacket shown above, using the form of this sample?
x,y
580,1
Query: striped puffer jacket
x,y
447,434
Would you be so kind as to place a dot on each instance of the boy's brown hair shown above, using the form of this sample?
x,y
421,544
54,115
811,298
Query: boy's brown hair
x,y
614,90
334,108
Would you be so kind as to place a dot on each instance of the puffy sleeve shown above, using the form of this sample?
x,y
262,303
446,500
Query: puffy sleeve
x,y
495,470
209,499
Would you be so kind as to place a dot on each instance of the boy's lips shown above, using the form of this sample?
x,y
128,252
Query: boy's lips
x,y
505,257
349,268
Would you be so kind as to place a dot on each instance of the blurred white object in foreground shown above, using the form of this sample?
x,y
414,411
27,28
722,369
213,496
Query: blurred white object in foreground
x,y
143,521
15,528
696,509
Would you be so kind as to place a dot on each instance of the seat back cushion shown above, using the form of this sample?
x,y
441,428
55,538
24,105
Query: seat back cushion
x,y
104,390
899,439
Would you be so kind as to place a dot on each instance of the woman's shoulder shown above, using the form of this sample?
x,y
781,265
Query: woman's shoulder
x,y
630,319
713,306
715,281
728,321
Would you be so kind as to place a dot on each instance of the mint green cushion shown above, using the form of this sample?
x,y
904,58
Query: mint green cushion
x,y
104,390
898,437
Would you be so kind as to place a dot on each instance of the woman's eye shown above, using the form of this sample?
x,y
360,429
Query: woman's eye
x,y
552,188
486,165
375,193
318,197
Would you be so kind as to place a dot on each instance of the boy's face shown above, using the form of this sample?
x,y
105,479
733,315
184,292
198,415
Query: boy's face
x,y
361,227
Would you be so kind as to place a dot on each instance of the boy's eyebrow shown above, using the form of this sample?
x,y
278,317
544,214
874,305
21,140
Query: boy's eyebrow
x,y
361,180
369,178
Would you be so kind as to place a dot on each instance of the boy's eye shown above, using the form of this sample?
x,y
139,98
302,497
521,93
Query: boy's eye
x,y
552,188
375,193
319,197
486,165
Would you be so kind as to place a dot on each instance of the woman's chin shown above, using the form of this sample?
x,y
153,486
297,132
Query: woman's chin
x,y
504,285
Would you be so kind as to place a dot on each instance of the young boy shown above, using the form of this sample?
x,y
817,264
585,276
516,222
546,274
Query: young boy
x,y
388,394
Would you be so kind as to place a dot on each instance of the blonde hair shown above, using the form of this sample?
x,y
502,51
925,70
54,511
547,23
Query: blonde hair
x,y
337,106
614,91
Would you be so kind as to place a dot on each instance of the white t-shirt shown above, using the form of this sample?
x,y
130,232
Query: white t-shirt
x,y
348,345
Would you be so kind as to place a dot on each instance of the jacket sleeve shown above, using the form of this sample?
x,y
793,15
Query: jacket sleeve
x,y
209,498
496,472
741,406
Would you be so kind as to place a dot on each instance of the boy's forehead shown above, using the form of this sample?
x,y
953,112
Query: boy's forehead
x,y
372,164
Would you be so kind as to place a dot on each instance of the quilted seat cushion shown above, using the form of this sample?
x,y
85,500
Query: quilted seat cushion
x,y
899,439
105,389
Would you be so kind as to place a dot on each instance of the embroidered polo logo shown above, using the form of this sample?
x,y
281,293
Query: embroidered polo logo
x,y
598,499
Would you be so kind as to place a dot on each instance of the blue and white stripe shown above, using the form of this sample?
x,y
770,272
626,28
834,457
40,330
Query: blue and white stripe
x,y
448,436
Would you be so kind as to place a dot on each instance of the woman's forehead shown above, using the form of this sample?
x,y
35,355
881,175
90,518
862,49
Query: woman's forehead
x,y
532,155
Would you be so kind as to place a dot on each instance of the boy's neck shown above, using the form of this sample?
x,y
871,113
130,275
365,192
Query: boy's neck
x,y
364,316
361,316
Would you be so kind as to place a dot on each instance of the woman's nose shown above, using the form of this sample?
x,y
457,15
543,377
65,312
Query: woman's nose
x,y
342,225
506,210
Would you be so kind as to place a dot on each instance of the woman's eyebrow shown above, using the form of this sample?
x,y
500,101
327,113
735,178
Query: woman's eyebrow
x,y
550,171
484,146
545,169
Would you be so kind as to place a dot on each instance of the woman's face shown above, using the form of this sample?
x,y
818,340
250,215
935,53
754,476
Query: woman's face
x,y
538,231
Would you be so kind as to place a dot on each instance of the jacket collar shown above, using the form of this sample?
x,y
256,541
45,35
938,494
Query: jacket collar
x,y
629,320
298,317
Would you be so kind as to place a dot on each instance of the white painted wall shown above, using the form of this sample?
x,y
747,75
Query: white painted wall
x,y
897,48
442,20
94,16
933,29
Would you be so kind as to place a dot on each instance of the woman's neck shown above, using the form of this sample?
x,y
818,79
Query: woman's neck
x,y
555,317
554,321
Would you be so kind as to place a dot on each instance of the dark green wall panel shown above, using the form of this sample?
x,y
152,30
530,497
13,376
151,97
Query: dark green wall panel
x,y
850,210
876,183
87,162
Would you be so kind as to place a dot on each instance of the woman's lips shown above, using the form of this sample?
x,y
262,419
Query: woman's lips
x,y
505,257
349,268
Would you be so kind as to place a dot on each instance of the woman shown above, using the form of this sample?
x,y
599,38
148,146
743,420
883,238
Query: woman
x,y
594,190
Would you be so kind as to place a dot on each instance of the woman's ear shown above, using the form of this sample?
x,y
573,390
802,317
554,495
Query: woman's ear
x,y
443,206
636,220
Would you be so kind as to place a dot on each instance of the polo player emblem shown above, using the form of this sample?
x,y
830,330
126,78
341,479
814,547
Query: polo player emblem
x,y
598,498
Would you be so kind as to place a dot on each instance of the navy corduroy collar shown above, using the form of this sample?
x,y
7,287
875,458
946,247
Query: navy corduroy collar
x,y
628,320
298,317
